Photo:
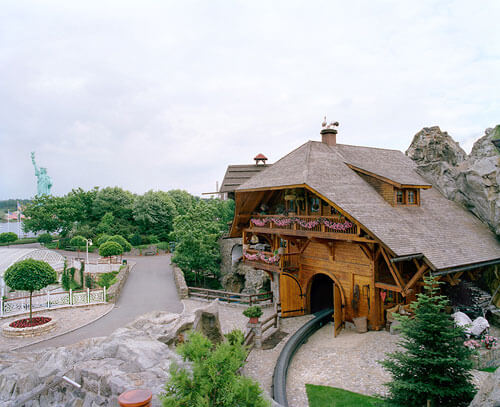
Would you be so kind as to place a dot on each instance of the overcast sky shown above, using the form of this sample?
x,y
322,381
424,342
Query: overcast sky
x,y
163,94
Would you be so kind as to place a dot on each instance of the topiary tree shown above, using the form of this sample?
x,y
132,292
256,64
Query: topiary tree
x,y
121,241
435,366
8,237
44,238
30,275
109,249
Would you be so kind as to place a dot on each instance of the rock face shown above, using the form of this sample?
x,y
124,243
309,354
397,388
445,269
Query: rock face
x,y
236,276
472,180
135,356
489,392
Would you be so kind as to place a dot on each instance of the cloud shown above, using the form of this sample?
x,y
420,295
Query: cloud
x,y
160,95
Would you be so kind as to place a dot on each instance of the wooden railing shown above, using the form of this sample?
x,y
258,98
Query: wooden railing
x,y
304,223
269,322
250,299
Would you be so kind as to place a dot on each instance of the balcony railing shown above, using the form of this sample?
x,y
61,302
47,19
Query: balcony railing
x,y
325,224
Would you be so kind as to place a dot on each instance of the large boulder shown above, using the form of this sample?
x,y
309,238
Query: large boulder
x,y
489,392
137,355
471,180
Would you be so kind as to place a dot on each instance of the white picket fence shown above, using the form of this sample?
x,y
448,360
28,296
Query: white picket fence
x,y
52,300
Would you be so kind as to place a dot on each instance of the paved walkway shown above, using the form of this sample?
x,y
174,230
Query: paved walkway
x,y
149,287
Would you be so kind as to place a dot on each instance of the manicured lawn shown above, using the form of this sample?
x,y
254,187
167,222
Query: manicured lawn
x,y
489,369
324,396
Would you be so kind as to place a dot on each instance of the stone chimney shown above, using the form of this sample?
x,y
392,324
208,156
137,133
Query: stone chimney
x,y
329,133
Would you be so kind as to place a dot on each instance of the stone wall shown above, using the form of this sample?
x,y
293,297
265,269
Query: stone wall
x,y
180,282
114,291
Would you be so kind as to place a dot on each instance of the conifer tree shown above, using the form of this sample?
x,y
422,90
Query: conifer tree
x,y
435,366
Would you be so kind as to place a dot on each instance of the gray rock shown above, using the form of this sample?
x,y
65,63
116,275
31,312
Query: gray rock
x,y
489,392
473,181
207,322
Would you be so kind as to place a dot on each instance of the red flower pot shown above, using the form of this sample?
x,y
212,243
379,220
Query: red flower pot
x,y
254,320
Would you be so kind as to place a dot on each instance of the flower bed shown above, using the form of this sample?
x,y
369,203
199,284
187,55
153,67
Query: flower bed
x,y
25,323
9,329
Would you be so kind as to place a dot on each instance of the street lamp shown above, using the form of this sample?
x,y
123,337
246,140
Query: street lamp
x,y
89,243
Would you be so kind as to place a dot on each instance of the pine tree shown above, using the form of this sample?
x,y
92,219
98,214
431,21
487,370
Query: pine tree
x,y
435,365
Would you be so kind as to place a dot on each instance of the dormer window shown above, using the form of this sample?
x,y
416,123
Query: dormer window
x,y
412,197
400,197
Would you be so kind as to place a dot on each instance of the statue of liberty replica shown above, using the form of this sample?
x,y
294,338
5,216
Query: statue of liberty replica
x,y
44,182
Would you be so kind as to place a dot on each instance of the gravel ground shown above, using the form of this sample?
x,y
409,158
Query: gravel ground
x,y
67,319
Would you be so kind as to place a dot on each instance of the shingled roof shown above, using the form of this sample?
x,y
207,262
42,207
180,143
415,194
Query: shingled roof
x,y
238,174
445,233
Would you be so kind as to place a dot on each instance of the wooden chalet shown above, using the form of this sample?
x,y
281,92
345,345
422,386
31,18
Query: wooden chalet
x,y
353,228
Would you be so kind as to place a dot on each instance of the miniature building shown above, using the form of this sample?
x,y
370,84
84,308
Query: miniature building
x,y
352,228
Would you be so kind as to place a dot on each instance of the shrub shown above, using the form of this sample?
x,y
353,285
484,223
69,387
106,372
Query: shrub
x,y
107,279
8,237
88,281
102,239
110,249
44,238
214,380
253,312
235,337
135,239
121,241
78,241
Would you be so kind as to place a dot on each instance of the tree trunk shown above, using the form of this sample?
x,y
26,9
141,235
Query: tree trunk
x,y
31,313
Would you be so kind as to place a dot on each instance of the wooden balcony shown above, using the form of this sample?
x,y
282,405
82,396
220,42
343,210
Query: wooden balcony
x,y
257,259
329,227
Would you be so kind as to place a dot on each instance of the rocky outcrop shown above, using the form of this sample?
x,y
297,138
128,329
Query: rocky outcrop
x,y
489,392
137,355
472,180
237,276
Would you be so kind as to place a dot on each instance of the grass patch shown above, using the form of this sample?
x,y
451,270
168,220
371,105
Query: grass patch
x,y
324,396
489,369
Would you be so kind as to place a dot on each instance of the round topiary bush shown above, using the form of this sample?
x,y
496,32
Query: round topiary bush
x,y
108,249
44,238
121,241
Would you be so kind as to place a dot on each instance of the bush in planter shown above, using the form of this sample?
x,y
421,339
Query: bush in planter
x,y
253,312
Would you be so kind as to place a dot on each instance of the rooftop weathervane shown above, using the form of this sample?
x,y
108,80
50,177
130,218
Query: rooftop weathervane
x,y
331,125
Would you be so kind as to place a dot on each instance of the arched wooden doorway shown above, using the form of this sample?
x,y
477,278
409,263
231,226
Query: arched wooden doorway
x,y
321,293
326,292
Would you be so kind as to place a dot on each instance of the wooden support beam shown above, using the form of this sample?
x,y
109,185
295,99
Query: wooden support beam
x,y
389,287
420,272
394,271
366,250
451,280
471,275
307,243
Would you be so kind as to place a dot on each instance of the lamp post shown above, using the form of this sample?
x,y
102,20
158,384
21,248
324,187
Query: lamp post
x,y
89,243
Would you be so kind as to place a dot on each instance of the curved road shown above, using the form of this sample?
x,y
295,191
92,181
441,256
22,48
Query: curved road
x,y
149,287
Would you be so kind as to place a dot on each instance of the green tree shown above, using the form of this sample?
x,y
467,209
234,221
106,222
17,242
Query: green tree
x,y
8,237
108,249
182,200
154,213
197,234
30,275
435,365
49,213
44,238
106,225
118,203
121,241
78,242
214,381
102,239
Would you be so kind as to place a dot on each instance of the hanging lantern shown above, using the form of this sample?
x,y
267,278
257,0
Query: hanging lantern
x,y
254,239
